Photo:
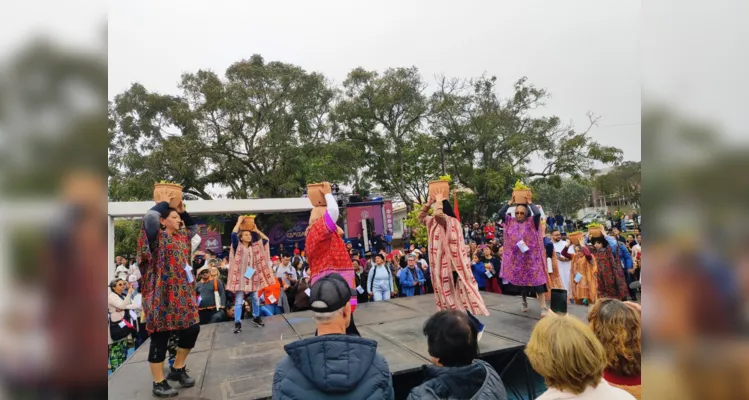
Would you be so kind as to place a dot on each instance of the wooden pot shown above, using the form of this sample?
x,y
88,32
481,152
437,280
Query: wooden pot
x,y
167,192
316,193
522,196
248,224
576,238
439,187
595,232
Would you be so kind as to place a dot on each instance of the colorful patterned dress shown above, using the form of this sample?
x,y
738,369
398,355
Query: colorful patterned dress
x,y
524,269
169,302
256,255
327,254
587,288
611,281
447,255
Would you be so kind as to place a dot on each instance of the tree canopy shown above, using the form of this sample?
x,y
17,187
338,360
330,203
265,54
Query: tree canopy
x,y
267,129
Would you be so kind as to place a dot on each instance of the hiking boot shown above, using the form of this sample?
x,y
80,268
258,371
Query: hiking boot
x,y
237,327
162,389
180,375
258,322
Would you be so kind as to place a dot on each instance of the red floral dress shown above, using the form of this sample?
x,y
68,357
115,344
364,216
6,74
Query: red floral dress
x,y
168,299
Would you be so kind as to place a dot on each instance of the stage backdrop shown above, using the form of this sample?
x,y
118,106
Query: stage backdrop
x,y
358,211
289,234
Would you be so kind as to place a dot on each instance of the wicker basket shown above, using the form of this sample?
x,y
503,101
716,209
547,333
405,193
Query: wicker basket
x,y
523,196
316,193
439,186
576,238
167,192
248,224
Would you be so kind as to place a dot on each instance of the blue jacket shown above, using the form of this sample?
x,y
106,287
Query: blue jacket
x,y
624,256
332,367
478,381
479,272
407,281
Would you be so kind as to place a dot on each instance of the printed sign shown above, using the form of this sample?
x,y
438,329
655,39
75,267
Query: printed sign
x,y
388,216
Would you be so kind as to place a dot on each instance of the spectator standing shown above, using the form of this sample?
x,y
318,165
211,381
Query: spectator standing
x,y
477,234
489,232
380,280
121,269
361,282
559,221
286,271
411,278
207,287
332,365
271,295
121,323
566,353
457,372
479,272
493,264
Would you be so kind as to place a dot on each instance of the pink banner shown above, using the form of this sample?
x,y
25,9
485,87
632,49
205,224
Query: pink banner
x,y
388,217
354,215
210,239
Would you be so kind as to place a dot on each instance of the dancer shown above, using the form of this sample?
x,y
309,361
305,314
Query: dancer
x,y
326,251
553,275
249,249
611,281
583,288
168,292
455,287
523,258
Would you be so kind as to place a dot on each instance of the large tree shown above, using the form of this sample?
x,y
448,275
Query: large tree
x,y
566,197
622,181
490,142
262,131
383,116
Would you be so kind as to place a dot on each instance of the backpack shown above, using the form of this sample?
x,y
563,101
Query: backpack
x,y
371,275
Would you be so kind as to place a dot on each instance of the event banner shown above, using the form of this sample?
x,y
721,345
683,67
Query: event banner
x,y
355,213
284,234
388,216
209,239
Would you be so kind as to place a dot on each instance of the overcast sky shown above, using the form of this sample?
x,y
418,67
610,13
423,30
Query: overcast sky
x,y
584,53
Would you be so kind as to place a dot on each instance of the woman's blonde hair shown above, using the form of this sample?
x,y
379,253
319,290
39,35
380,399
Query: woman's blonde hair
x,y
618,327
566,353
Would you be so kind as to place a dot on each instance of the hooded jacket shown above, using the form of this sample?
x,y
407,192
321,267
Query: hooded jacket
x,y
332,367
478,381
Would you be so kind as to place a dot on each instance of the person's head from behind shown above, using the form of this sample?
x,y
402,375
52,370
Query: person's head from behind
x,y
618,327
330,303
451,338
566,353
599,243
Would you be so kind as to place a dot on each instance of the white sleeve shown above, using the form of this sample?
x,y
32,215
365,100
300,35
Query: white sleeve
x,y
332,206
195,242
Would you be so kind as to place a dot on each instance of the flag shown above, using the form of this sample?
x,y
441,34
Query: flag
x,y
455,206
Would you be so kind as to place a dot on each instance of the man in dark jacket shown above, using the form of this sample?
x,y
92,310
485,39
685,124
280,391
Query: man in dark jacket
x,y
332,365
456,373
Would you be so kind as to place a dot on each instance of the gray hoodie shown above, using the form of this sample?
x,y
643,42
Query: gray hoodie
x,y
332,367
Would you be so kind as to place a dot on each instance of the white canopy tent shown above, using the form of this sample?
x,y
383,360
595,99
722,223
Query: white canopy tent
x,y
136,209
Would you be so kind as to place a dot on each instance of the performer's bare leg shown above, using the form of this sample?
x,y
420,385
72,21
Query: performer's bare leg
x,y
157,370
179,361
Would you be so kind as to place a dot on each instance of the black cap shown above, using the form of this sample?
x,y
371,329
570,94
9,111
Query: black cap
x,y
330,293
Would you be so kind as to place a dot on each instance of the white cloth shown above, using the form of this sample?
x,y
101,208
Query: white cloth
x,y
280,273
600,392
121,272
564,266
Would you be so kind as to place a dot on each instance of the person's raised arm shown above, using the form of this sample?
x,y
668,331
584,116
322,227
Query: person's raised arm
x,y
536,214
332,206
424,212
152,222
586,252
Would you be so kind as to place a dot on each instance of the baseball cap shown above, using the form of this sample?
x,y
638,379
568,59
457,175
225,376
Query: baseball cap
x,y
297,251
274,258
330,293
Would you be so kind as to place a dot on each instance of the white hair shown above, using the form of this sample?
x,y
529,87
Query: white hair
x,y
325,317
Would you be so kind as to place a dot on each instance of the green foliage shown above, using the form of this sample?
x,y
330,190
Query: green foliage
x,y
418,229
266,129
623,180
564,195
126,233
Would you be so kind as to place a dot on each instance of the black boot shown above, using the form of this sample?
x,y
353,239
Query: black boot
x,y
258,322
162,389
237,327
181,376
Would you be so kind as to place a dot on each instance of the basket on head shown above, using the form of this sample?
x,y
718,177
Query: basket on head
x,y
595,231
316,193
523,196
248,223
166,191
439,186
575,237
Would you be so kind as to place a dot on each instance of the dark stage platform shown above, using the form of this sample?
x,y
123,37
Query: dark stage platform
x,y
228,366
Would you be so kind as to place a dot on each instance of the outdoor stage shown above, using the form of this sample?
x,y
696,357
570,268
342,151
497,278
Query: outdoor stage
x,y
229,366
